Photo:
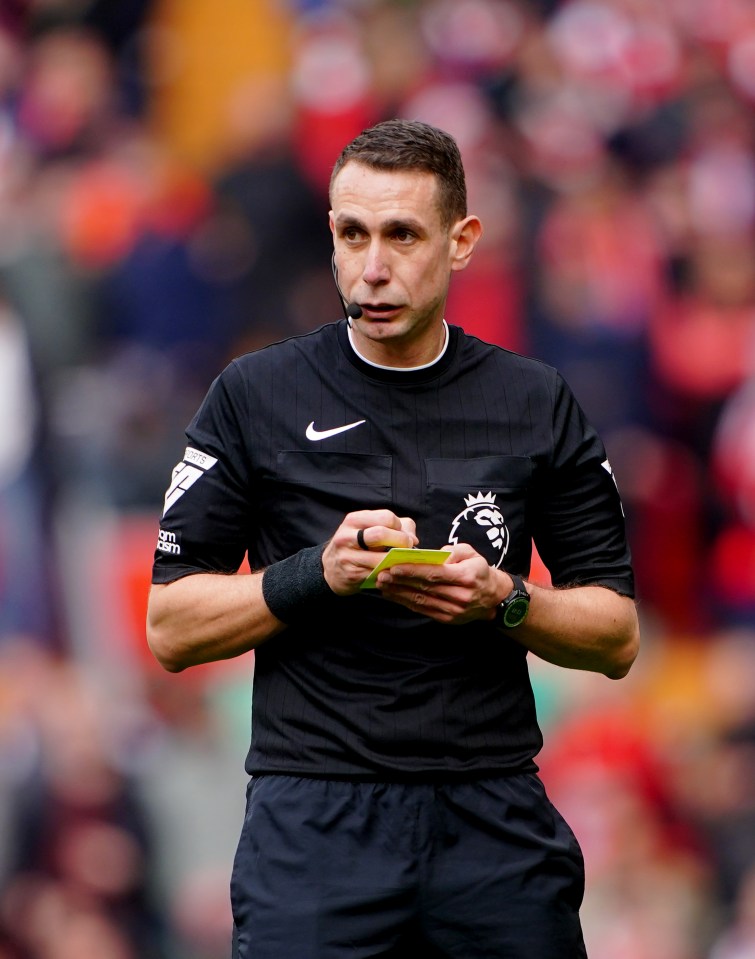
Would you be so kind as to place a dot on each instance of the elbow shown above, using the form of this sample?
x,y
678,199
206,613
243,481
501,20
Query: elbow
x,y
624,655
165,635
170,663
619,669
164,650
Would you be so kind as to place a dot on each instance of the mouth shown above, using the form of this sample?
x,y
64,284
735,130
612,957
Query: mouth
x,y
380,311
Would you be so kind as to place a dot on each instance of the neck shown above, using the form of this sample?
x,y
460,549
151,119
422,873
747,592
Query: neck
x,y
395,356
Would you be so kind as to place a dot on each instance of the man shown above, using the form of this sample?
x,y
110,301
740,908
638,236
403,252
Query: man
x,y
394,807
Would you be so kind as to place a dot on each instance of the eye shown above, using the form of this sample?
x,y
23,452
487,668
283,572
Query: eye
x,y
402,235
351,234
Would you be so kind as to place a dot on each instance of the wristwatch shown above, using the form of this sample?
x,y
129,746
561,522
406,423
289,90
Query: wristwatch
x,y
512,610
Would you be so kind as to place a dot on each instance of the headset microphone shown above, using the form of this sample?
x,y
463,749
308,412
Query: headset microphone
x,y
352,310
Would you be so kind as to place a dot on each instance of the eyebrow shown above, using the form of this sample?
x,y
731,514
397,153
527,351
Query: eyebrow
x,y
343,221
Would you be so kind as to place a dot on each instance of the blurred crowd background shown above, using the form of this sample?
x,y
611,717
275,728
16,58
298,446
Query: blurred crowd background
x,y
163,181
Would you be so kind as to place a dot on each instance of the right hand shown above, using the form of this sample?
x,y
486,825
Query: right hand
x,y
345,564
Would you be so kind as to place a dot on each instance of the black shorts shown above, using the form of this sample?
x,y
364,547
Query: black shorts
x,y
329,870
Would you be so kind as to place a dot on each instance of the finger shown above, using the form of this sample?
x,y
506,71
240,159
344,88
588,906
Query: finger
x,y
384,538
417,575
374,517
409,526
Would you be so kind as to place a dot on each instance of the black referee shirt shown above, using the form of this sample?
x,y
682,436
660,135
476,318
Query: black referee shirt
x,y
485,447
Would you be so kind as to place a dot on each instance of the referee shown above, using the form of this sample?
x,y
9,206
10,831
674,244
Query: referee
x,y
394,807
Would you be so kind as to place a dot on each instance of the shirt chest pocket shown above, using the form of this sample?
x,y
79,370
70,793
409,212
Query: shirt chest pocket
x,y
483,502
311,492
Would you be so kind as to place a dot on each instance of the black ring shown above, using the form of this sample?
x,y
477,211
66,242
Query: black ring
x,y
360,540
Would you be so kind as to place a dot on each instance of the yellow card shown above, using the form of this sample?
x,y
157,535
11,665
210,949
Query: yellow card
x,y
398,555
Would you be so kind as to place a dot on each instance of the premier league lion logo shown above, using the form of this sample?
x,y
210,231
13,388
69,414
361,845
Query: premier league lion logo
x,y
482,525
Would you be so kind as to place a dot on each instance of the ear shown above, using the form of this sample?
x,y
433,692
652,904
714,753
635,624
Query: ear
x,y
464,236
332,223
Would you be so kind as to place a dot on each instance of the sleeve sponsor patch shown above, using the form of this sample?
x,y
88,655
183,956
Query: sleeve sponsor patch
x,y
194,464
169,542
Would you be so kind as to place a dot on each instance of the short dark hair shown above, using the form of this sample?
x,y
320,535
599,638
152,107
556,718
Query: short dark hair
x,y
413,145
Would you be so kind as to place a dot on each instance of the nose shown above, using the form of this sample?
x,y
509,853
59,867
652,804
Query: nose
x,y
375,269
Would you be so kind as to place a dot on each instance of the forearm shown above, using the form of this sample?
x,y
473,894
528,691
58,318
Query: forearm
x,y
586,627
206,617
209,616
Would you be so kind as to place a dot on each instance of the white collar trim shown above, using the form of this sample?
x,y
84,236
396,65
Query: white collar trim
x,y
402,369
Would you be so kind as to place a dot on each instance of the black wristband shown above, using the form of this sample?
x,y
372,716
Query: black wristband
x,y
291,585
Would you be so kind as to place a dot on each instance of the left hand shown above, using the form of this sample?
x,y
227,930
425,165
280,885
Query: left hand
x,y
462,589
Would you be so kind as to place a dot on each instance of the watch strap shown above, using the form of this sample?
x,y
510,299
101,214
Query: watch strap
x,y
513,608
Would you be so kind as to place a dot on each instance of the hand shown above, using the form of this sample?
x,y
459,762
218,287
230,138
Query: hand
x,y
346,562
462,589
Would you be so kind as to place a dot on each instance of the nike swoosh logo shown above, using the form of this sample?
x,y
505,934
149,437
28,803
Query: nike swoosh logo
x,y
313,434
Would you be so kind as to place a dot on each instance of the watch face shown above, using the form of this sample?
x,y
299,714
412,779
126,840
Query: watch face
x,y
516,612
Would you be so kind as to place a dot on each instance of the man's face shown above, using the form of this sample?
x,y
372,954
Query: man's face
x,y
393,254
